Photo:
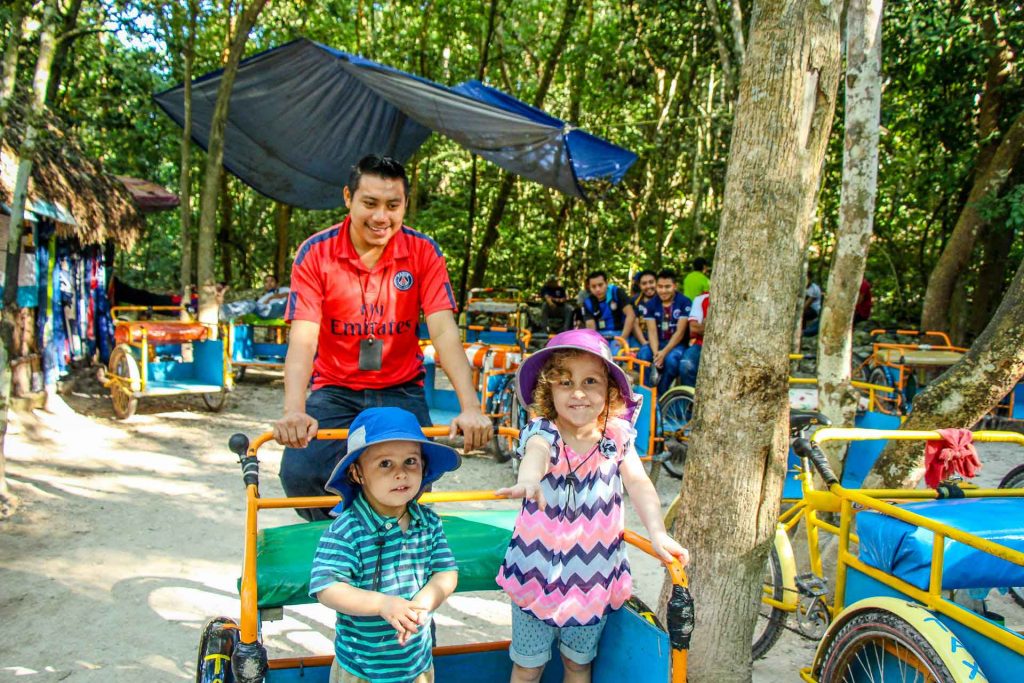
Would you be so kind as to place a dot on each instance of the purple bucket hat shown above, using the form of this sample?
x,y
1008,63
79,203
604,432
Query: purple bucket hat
x,y
588,341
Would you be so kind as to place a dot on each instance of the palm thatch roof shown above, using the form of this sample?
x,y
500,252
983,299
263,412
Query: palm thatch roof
x,y
102,207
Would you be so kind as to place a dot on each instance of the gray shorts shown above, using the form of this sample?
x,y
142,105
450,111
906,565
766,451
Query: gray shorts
x,y
532,640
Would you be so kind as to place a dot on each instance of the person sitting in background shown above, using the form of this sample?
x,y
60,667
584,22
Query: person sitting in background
x,y
647,291
667,317
555,305
812,309
862,311
696,281
689,363
270,304
607,309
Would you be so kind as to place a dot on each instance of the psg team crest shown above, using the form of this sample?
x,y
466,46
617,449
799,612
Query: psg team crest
x,y
403,280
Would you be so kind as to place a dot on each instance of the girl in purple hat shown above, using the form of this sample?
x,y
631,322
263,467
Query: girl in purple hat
x,y
566,568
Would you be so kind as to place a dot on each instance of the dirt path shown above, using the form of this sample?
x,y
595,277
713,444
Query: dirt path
x,y
129,537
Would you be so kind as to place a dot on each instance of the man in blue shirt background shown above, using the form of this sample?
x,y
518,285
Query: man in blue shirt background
x,y
607,308
667,316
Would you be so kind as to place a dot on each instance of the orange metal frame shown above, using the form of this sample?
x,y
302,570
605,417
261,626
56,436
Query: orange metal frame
x,y
249,617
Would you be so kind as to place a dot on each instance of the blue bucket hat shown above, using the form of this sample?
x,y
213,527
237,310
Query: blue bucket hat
x,y
383,425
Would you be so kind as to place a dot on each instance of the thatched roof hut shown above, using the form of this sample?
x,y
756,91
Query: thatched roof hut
x,y
102,207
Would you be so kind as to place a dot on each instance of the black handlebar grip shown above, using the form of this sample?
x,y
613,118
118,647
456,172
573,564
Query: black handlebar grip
x,y
806,449
239,444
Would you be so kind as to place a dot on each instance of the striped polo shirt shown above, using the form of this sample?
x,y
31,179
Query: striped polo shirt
x,y
332,287
368,646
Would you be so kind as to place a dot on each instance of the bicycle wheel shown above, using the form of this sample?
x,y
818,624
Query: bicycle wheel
x,y
1014,479
506,406
770,619
216,644
885,403
123,392
877,646
676,408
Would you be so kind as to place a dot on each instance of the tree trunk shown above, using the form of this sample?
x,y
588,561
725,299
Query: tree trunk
x,y
992,274
785,104
996,159
491,234
10,315
63,47
214,161
836,397
964,393
18,24
282,220
185,174
227,217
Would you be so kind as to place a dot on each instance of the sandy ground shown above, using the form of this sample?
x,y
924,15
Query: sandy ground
x,y
129,536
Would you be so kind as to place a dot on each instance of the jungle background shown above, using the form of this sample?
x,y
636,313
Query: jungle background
x,y
658,78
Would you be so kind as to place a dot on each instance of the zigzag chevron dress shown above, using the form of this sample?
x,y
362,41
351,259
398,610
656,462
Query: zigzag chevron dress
x,y
566,565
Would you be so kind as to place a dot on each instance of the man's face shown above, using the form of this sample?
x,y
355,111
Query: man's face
x,y
647,286
666,289
597,286
377,209
269,283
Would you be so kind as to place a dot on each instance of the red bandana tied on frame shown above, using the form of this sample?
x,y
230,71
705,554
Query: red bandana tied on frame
x,y
954,453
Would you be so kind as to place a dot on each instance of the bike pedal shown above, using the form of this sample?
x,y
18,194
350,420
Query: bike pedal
x,y
811,586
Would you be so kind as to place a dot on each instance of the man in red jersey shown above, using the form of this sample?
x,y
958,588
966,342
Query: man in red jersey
x,y
357,290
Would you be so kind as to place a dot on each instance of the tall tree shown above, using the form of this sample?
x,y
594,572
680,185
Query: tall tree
x,y
786,100
282,220
836,397
989,370
997,156
26,154
18,22
186,18
214,161
508,179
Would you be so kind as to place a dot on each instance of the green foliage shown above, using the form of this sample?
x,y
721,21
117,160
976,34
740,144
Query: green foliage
x,y
642,73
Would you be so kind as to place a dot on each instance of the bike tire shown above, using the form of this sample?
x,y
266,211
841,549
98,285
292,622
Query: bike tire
x,y
1014,479
506,406
216,644
675,411
878,646
885,403
771,621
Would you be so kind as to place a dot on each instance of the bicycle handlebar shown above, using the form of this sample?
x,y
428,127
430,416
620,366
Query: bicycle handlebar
x,y
805,449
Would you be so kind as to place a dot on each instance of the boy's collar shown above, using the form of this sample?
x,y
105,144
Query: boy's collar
x,y
375,520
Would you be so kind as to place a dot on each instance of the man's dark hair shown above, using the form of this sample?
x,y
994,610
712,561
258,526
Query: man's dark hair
x,y
597,273
648,271
700,263
382,166
667,274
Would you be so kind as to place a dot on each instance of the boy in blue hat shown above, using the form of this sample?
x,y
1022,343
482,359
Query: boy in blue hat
x,y
384,564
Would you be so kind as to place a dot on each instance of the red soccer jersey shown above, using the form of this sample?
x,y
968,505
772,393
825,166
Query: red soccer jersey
x,y
330,286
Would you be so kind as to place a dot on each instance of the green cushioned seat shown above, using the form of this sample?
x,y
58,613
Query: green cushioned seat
x,y
253,319
284,555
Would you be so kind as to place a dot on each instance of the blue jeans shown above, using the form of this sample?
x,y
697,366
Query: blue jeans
x,y
646,354
306,471
688,365
671,368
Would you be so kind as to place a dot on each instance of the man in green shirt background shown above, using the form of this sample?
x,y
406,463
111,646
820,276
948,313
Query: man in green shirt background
x,y
696,281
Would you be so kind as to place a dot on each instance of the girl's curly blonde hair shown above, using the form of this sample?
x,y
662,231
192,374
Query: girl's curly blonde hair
x,y
556,369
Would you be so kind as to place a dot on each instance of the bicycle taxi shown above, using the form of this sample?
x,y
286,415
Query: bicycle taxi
x,y
167,356
256,342
275,575
891,616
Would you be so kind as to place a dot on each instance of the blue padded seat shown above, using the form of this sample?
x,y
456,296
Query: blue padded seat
x,y
905,550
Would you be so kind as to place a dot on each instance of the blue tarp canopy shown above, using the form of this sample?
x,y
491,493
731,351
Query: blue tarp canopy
x,y
303,114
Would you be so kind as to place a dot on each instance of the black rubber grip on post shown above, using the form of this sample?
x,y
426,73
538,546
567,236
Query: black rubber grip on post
x,y
250,470
680,618
806,449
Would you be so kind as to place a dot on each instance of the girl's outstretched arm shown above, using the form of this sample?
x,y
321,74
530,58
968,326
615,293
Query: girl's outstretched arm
x,y
648,508
531,471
